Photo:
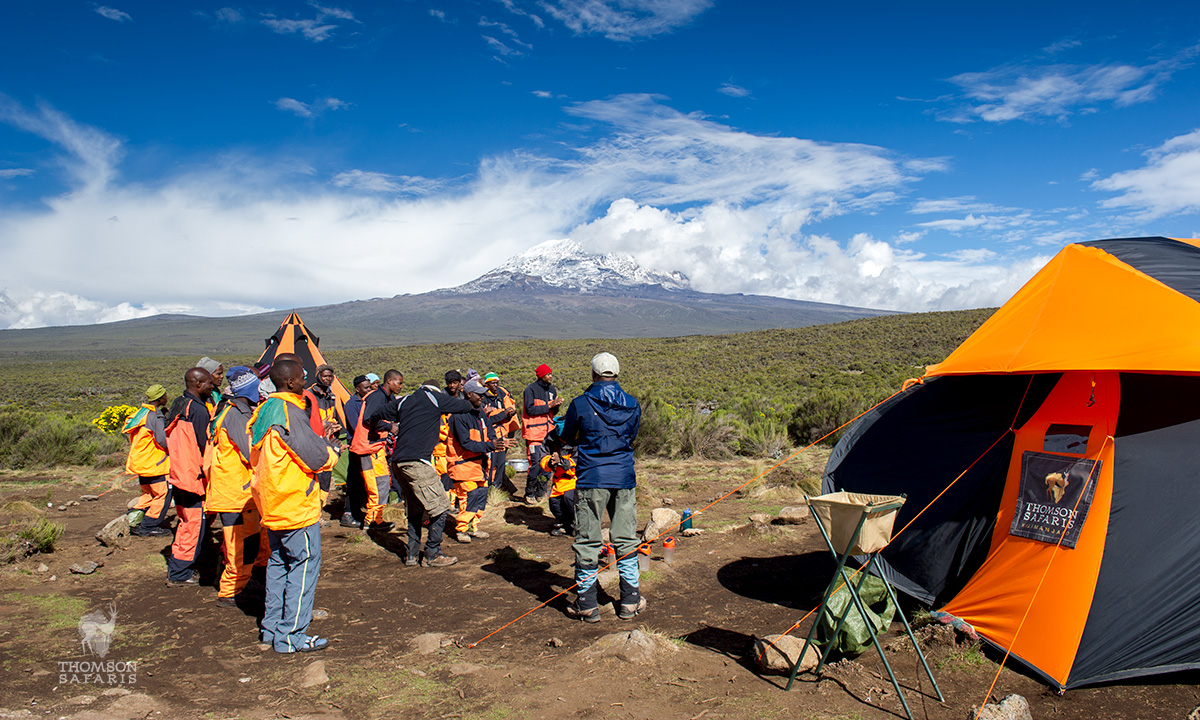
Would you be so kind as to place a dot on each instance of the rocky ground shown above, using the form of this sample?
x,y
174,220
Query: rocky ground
x,y
411,642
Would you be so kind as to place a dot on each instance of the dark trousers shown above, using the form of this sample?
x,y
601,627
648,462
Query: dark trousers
x,y
538,479
562,507
414,513
355,491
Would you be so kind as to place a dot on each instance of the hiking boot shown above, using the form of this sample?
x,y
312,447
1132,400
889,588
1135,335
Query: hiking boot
x,y
479,535
441,561
412,561
192,581
348,521
381,527
588,616
226,602
558,531
462,537
155,531
630,611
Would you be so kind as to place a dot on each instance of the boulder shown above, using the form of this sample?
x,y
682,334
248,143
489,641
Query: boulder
x,y
793,515
464,668
777,654
314,674
84,568
633,646
692,532
760,518
428,643
115,533
1013,707
663,521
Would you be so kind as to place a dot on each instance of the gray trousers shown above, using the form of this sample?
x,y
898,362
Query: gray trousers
x,y
292,574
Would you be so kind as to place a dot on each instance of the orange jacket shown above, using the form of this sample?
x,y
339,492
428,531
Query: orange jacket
x,y
442,449
468,447
187,437
563,472
497,405
287,455
362,440
147,443
537,415
227,459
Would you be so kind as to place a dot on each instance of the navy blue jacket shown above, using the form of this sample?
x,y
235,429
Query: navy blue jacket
x,y
602,423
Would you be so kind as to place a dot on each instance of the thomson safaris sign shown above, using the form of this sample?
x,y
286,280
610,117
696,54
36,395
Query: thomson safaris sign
x,y
1050,501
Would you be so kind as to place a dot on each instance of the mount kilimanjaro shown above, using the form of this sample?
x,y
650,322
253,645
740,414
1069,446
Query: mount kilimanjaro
x,y
552,291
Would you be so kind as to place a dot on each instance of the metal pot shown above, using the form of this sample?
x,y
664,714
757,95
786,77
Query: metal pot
x,y
519,465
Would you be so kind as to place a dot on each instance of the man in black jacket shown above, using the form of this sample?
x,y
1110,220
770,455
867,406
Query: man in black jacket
x,y
415,419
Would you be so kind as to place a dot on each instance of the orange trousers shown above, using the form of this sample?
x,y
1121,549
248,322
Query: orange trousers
x,y
244,545
470,500
153,499
377,478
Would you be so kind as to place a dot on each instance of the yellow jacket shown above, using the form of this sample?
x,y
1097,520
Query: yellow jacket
x,y
227,459
287,455
147,443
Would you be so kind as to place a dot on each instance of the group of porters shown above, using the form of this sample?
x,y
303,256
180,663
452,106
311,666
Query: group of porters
x,y
255,448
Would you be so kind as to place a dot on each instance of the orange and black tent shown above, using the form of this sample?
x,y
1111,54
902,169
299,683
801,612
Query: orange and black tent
x,y
293,337
1052,467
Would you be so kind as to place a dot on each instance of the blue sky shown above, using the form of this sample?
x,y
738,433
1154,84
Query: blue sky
x,y
221,158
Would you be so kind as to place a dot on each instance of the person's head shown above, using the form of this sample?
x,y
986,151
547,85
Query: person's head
x,y
156,395
214,368
393,381
243,383
362,385
325,375
373,379
288,376
198,382
544,373
454,382
605,367
492,382
474,391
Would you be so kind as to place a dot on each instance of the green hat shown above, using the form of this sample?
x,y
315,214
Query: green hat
x,y
490,377
154,392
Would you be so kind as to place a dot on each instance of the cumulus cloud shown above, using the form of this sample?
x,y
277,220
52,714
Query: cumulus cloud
x,y
679,191
113,13
1169,182
1036,92
624,20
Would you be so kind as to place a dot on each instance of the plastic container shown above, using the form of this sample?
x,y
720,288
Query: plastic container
x,y
668,549
643,557
608,552
687,519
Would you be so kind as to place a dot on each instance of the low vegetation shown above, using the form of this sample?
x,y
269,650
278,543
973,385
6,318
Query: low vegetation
x,y
24,531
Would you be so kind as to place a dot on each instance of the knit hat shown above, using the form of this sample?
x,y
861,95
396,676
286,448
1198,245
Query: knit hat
x,y
542,371
360,379
208,364
490,377
243,382
472,374
155,391
453,376
473,386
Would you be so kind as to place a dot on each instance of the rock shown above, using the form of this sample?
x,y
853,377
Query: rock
x,y
43,567
555,642
778,653
608,578
52,578
760,518
428,643
314,674
73,503
82,700
634,647
1013,707
464,668
133,705
793,515
115,692
320,614
692,532
115,533
662,521
667,502
84,568
89,497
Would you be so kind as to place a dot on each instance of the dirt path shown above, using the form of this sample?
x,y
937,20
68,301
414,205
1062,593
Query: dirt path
x,y
735,581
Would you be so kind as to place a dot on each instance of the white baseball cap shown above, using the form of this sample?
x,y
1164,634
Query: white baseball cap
x,y
605,365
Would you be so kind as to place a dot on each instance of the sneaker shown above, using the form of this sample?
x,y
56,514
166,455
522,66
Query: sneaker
x,y
312,644
348,521
441,561
629,612
381,527
558,531
190,582
530,500
462,537
412,561
226,602
479,535
588,616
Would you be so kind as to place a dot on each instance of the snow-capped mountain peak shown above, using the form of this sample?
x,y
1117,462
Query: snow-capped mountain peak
x,y
564,264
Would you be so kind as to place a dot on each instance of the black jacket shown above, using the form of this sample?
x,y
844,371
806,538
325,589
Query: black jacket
x,y
417,418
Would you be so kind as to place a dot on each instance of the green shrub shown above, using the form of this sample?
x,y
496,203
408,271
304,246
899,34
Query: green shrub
x,y
61,441
26,531
822,413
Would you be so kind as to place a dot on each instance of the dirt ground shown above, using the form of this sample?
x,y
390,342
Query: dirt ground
x,y
737,580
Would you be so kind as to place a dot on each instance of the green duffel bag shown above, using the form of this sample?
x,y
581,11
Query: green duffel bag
x,y
854,638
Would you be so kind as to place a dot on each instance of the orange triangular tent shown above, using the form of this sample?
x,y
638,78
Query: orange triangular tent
x,y
1050,465
293,337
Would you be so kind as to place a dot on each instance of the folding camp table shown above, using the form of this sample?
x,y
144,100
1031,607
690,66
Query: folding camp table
x,y
857,524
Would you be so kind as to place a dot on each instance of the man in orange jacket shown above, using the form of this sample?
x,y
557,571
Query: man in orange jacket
x,y
148,460
287,455
502,409
229,471
540,405
187,438
469,449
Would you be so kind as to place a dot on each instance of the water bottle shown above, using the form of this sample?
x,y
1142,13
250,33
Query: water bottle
x,y
687,519
668,549
643,557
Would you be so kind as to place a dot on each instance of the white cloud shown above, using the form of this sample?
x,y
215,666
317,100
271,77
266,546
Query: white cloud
x,y
733,90
964,203
339,13
1034,92
15,172
439,14
624,19
515,9
1169,182
312,29
230,15
113,13
543,94
499,47
384,183
305,110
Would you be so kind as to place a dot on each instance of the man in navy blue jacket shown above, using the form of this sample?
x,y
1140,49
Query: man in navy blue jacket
x,y
602,423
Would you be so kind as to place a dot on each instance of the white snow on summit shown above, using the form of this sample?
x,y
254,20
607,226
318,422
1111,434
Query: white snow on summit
x,y
564,264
